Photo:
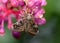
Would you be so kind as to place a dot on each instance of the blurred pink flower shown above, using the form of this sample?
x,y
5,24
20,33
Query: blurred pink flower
x,y
18,8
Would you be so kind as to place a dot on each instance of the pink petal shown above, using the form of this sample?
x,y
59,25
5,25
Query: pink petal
x,y
21,2
39,13
16,13
43,3
31,3
14,3
2,6
40,21
9,22
4,1
2,31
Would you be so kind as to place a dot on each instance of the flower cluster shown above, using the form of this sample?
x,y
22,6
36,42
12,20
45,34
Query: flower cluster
x,y
17,8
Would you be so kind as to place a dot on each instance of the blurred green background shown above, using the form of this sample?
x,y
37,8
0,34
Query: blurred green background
x,y
49,33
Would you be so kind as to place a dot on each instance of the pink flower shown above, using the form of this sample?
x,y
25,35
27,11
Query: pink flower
x,y
19,8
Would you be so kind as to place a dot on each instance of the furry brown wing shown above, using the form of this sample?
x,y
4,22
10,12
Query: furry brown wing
x,y
32,29
18,26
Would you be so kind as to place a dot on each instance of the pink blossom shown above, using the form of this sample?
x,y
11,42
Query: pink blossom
x,y
19,8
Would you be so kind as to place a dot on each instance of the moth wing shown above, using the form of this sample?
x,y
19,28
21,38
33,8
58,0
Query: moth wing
x,y
17,27
33,31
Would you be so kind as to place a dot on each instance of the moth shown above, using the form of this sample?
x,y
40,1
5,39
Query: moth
x,y
26,25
